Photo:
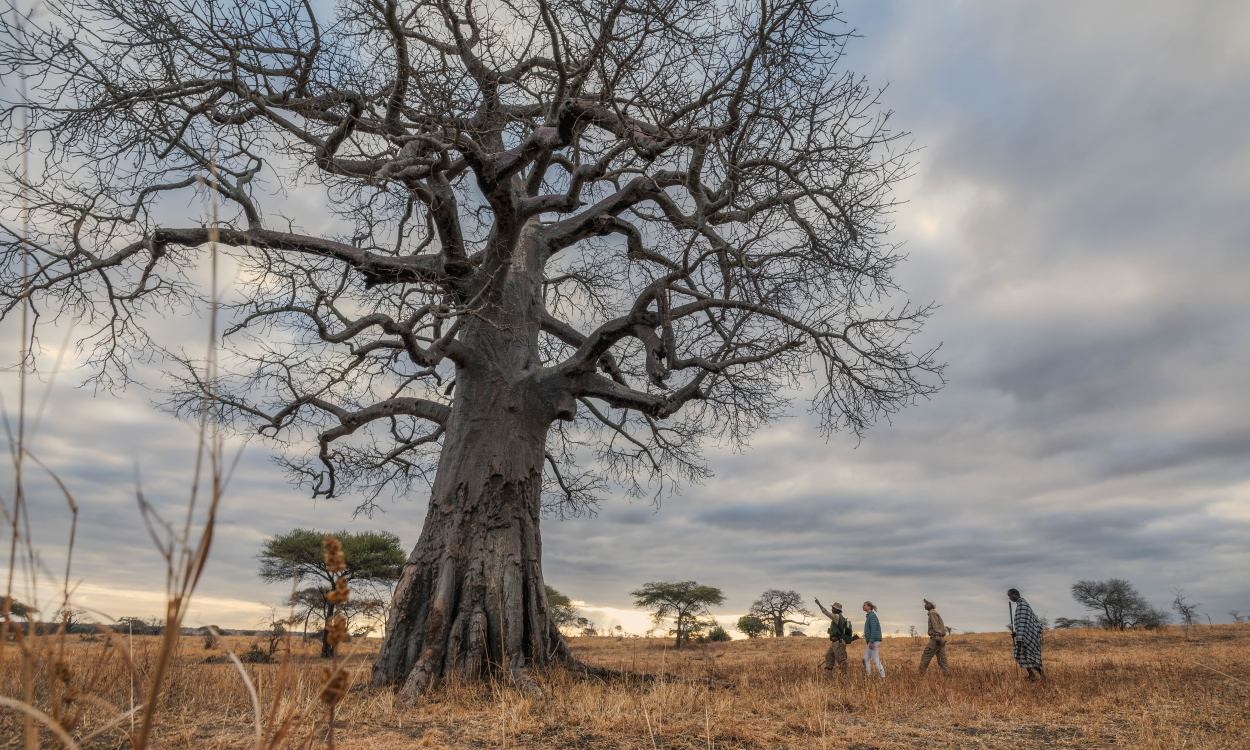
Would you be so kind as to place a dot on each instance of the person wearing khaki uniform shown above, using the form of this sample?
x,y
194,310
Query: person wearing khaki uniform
x,y
839,630
937,640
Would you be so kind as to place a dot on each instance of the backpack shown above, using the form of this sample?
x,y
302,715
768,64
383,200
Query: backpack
x,y
841,631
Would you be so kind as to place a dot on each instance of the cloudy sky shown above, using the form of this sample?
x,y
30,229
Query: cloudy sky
x,y
1080,210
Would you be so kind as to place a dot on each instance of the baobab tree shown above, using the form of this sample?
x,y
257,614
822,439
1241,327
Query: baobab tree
x,y
780,608
555,244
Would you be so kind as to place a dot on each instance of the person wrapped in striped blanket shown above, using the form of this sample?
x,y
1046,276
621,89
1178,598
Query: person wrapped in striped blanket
x,y
1026,633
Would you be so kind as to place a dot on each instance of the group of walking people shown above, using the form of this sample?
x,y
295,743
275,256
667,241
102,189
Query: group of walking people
x,y
1026,636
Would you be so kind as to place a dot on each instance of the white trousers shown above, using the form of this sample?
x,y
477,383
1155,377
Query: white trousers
x,y
872,655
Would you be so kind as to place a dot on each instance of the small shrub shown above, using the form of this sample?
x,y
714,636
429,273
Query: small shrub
x,y
255,655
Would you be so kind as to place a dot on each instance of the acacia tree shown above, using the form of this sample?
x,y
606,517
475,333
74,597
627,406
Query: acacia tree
x,y
10,610
310,605
10,607
552,234
686,603
1117,604
778,608
1187,610
561,609
70,617
373,562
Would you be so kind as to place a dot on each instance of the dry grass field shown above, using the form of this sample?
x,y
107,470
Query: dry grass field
x,y
1135,689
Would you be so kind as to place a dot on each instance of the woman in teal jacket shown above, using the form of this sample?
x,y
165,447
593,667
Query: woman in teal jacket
x,y
872,639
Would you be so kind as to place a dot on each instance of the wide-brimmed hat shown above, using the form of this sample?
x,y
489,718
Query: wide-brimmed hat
x,y
928,603
837,606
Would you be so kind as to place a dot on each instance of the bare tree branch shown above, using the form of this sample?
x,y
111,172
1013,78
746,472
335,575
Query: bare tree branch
x,y
669,214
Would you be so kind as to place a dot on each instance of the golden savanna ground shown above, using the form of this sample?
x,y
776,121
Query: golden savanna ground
x,y
1135,689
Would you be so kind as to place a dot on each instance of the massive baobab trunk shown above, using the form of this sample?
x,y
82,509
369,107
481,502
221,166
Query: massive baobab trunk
x,y
471,598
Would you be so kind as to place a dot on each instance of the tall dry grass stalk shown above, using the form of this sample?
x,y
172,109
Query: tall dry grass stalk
x,y
73,700
1149,691
18,441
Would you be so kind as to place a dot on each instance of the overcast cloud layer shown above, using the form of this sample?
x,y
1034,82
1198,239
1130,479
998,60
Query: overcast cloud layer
x,y
1079,210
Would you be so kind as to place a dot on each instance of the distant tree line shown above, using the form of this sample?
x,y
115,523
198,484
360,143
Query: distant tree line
x,y
375,559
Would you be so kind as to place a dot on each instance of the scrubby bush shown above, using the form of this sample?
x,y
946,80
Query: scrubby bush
x,y
751,626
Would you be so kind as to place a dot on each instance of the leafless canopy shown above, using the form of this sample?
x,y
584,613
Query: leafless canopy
x,y
780,608
704,192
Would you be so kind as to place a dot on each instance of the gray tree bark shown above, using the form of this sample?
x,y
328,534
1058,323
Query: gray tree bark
x,y
471,599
